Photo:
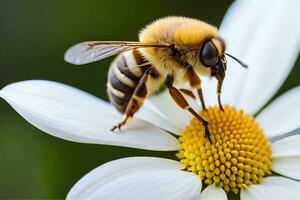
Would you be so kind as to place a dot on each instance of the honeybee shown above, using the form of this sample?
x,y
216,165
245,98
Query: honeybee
x,y
171,50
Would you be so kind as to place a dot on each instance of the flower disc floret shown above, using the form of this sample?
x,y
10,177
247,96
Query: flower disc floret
x,y
238,155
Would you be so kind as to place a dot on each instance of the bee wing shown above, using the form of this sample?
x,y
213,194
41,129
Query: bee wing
x,y
91,51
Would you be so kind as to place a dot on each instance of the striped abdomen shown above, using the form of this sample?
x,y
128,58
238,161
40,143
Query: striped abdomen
x,y
123,77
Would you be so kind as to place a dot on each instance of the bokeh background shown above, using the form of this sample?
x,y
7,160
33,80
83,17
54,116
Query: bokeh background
x,y
34,35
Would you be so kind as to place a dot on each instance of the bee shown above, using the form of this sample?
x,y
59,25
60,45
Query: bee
x,y
170,51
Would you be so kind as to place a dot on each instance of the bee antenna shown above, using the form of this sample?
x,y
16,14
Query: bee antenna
x,y
237,60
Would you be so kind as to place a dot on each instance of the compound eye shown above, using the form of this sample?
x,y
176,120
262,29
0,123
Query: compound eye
x,y
208,54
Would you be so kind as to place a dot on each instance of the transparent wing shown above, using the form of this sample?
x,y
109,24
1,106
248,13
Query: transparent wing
x,y
91,51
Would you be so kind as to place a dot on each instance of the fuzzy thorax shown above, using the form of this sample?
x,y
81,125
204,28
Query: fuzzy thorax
x,y
186,34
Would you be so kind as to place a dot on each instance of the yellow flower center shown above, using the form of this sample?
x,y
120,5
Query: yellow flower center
x,y
238,156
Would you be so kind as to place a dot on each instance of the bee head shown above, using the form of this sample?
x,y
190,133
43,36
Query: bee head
x,y
212,55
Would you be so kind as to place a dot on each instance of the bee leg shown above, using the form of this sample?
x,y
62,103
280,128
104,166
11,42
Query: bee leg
x,y
181,102
188,92
219,91
136,100
200,94
122,123
195,82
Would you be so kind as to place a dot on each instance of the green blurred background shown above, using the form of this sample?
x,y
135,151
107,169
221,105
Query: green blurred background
x,y
34,35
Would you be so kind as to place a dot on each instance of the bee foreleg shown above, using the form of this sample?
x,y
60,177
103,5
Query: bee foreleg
x,y
136,99
181,102
219,91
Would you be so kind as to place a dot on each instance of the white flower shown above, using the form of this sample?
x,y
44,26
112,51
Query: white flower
x,y
264,34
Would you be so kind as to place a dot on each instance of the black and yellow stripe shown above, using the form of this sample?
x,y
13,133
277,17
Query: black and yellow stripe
x,y
124,75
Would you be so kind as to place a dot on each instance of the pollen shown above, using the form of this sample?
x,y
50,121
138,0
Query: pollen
x,y
238,155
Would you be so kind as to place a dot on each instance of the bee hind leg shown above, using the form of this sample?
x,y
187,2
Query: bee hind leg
x,y
132,107
136,100
122,123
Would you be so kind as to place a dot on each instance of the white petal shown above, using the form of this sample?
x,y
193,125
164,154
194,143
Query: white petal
x,y
214,193
178,117
286,157
111,170
71,114
272,53
151,184
289,146
257,39
136,178
287,166
282,115
151,114
273,188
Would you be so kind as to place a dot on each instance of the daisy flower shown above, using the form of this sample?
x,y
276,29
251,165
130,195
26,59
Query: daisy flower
x,y
258,158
